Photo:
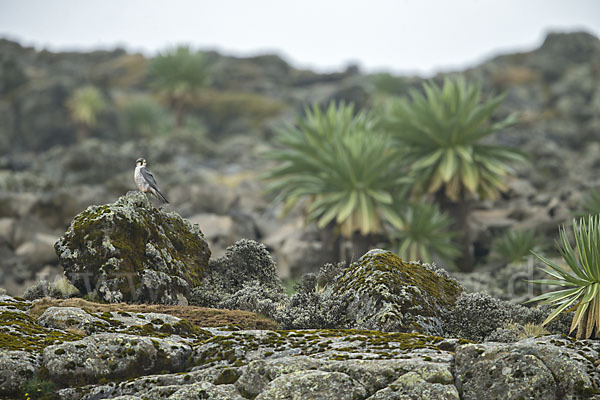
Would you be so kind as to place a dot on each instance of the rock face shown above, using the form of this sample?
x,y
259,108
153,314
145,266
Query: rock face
x,y
554,367
16,367
74,353
113,355
130,251
392,295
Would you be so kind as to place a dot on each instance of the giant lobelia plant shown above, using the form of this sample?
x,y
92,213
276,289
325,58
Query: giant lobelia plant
x,y
440,133
342,166
178,75
578,282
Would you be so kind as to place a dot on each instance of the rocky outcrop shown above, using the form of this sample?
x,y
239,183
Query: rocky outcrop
x,y
84,353
131,251
379,291
16,368
393,295
113,355
553,367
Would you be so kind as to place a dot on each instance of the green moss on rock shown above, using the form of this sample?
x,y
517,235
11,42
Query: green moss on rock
x,y
18,331
110,249
393,295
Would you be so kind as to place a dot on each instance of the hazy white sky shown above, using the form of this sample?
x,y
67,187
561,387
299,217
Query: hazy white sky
x,y
421,36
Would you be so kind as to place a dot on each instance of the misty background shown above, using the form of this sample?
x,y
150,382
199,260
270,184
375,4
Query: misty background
x,y
417,37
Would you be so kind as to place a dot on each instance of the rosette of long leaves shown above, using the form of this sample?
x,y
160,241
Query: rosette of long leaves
x,y
441,131
578,282
178,75
342,165
85,104
514,245
591,203
425,233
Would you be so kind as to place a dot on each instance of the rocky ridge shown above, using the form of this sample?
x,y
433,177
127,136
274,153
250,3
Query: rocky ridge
x,y
82,354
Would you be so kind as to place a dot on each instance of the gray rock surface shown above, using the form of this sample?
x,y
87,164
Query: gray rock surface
x,y
313,385
112,355
131,251
392,295
16,367
167,358
553,367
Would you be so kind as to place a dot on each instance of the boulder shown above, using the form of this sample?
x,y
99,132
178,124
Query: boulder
x,y
206,390
392,295
313,385
554,367
16,367
112,355
130,251
39,251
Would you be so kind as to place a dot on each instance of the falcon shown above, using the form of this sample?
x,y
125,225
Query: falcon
x,y
145,180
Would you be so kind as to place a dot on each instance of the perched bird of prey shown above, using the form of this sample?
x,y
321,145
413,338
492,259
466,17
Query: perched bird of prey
x,y
145,180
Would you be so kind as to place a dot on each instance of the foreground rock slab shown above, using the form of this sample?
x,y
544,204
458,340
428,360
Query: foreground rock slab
x,y
553,367
97,352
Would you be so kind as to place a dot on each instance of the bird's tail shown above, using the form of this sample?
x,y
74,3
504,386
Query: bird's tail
x,y
160,196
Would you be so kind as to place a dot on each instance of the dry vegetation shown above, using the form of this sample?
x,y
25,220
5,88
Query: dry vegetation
x,y
200,316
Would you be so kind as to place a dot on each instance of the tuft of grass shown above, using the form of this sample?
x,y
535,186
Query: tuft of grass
x,y
39,389
199,316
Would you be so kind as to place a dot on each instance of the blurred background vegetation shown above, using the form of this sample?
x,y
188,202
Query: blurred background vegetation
x,y
470,169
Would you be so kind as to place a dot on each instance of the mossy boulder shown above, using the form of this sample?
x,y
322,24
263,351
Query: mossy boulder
x,y
392,295
113,355
554,367
131,251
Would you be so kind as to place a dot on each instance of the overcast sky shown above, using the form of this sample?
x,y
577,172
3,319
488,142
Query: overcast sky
x,y
407,36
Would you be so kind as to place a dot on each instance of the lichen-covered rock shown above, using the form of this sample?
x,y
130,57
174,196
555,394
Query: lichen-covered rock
x,y
113,355
19,331
244,278
392,295
313,385
130,251
150,386
16,367
546,368
431,382
236,349
206,390
257,374
72,318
